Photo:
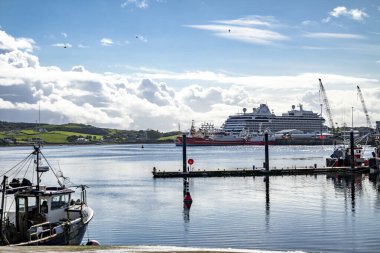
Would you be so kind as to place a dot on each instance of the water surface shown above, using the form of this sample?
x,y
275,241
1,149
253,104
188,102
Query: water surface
x,y
331,213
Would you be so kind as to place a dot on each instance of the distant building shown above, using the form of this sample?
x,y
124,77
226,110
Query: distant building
x,y
42,130
81,140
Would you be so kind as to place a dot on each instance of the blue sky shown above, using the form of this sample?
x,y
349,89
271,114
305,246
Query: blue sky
x,y
183,60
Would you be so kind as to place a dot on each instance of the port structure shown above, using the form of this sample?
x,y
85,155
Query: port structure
x,y
327,105
364,107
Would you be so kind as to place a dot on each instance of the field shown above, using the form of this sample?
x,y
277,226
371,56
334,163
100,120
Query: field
x,y
25,133
53,137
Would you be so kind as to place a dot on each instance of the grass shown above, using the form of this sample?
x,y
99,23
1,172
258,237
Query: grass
x,y
53,137
168,138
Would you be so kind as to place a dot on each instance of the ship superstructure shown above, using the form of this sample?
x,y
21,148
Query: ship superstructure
x,y
262,118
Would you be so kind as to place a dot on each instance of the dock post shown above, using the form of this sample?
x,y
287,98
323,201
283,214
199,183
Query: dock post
x,y
352,149
184,167
266,151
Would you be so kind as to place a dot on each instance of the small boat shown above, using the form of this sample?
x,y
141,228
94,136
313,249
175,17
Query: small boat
x,y
341,157
36,214
258,138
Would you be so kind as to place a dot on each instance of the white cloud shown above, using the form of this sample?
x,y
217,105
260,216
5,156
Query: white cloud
x,y
342,11
378,61
253,20
141,38
244,34
78,68
10,43
82,46
334,36
245,29
308,23
141,4
64,45
148,99
106,42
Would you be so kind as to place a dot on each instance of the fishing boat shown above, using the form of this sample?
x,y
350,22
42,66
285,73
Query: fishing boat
x,y
341,156
33,213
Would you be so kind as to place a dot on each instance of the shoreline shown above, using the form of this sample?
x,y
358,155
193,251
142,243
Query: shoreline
x,y
120,249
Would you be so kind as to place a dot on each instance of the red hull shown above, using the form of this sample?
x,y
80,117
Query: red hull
x,y
199,141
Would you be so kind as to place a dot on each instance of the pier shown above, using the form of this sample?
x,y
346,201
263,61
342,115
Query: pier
x,y
264,171
257,172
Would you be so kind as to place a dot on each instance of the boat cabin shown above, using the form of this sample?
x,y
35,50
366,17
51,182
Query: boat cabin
x,y
40,213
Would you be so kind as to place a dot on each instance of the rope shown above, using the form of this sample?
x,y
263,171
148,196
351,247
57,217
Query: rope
x,y
59,182
16,172
16,165
28,168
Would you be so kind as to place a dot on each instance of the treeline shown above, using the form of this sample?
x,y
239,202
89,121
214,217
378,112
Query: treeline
x,y
112,135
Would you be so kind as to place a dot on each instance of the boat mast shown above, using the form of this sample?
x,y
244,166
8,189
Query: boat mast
x,y
37,153
3,238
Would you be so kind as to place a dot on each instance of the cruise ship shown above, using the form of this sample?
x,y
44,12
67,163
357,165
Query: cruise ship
x,y
262,118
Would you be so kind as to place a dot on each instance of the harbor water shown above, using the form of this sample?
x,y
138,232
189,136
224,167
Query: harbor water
x,y
328,213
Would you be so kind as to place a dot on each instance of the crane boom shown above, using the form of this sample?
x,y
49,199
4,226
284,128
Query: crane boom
x,y
364,107
327,105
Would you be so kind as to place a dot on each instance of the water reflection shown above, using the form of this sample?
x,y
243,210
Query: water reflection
x,y
348,183
267,202
187,200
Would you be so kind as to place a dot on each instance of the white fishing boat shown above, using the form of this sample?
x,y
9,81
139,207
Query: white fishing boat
x,y
33,213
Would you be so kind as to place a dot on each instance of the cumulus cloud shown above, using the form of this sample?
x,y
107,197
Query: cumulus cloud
x,y
342,11
106,42
9,43
141,4
78,68
147,98
245,30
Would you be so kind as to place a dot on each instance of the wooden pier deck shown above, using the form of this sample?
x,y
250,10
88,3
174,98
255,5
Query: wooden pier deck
x,y
257,172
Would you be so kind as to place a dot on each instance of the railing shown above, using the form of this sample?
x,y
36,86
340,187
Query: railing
x,y
40,230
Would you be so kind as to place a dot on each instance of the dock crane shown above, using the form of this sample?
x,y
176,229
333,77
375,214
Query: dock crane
x,y
327,105
364,107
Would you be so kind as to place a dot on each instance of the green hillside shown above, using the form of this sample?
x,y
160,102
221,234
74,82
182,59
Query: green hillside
x,y
24,133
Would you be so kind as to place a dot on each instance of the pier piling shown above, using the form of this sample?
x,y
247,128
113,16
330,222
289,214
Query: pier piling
x,y
352,149
266,151
184,167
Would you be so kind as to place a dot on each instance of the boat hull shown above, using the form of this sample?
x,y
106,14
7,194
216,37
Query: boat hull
x,y
69,234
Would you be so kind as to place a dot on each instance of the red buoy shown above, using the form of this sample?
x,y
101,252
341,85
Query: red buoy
x,y
93,243
187,200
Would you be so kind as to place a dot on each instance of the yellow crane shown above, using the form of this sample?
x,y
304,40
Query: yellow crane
x,y
364,107
327,105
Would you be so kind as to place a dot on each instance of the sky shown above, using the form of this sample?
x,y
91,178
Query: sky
x,y
159,64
